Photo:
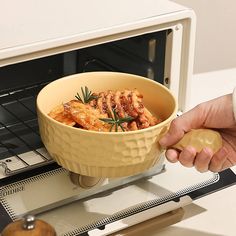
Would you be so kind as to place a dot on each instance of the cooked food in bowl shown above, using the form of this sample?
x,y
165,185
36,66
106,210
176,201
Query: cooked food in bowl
x,y
101,153
106,111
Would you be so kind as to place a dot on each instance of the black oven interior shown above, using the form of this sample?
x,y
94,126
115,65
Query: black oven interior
x,y
20,83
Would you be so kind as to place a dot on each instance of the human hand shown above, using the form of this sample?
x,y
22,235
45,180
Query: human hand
x,y
215,114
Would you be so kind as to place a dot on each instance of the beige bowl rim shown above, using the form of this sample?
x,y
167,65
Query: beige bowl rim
x,y
161,124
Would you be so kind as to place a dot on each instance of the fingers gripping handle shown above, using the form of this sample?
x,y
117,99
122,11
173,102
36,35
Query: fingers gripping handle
x,y
200,138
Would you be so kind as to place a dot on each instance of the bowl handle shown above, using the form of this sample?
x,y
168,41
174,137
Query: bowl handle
x,y
200,138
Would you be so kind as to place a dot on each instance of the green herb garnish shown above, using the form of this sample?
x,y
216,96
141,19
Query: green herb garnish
x,y
87,95
116,121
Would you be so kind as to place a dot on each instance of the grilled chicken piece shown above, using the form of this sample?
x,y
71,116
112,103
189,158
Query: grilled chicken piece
x,y
86,116
126,103
133,126
60,115
153,120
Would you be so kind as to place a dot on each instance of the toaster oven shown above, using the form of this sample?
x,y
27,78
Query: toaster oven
x,y
46,41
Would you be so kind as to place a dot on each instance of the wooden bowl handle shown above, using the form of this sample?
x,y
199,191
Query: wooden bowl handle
x,y
200,138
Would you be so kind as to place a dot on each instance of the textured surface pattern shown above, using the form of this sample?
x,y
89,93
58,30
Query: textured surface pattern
x,y
98,154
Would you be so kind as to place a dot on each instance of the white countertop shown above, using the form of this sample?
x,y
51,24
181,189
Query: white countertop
x,y
209,85
214,214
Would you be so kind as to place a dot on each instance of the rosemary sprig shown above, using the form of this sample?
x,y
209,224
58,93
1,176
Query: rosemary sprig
x,y
116,121
87,95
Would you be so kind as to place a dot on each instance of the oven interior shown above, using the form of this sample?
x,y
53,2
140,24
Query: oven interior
x,y
143,55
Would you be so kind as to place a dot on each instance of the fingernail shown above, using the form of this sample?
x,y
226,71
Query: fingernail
x,y
172,155
208,150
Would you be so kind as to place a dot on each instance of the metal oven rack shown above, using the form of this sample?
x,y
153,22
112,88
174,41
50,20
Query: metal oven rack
x,y
21,148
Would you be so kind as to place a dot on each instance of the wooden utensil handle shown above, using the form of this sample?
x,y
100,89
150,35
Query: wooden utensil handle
x,y
200,138
29,226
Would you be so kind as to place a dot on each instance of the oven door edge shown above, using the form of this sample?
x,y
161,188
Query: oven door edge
x,y
143,216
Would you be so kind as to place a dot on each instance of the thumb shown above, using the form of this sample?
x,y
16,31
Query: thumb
x,y
181,125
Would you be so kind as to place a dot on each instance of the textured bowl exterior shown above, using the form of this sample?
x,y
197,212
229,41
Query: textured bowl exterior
x,y
100,154
104,156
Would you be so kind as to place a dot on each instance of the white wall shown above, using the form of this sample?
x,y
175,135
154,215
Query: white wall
x,y
216,34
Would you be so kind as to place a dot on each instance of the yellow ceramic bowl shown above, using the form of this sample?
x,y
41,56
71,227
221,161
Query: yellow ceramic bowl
x,y
104,154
